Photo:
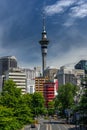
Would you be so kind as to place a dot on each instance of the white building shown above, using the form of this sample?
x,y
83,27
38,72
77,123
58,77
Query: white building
x,y
18,76
30,78
30,86
66,75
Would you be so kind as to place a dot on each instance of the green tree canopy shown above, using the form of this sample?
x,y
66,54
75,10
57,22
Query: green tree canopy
x,y
82,107
65,97
7,119
18,109
10,94
12,99
38,103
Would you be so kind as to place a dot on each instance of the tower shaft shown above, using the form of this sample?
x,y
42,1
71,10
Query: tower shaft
x,y
43,63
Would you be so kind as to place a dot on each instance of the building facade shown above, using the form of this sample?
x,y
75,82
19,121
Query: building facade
x,y
39,84
50,72
82,64
73,76
18,76
30,78
6,63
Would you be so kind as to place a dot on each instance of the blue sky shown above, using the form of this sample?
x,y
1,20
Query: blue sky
x,y
21,27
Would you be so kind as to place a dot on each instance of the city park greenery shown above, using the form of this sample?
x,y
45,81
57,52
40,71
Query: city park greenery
x,y
17,109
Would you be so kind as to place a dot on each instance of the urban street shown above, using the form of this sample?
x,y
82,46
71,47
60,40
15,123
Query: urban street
x,y
52,125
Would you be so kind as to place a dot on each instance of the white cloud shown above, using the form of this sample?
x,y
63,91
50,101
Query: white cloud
x,y
79,11
58,7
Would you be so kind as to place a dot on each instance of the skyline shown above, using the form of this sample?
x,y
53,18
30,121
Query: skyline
x,y
21,27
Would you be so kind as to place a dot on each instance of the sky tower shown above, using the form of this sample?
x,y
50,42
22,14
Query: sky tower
x,y
44,43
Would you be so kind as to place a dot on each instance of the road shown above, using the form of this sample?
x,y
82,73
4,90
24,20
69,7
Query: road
x,y
52,125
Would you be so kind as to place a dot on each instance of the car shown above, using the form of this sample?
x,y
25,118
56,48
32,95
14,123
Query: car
x,y
33,125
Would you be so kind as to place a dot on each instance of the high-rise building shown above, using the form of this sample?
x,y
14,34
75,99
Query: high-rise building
x,y
39,84
66,75
44,43
6,63
30,85
30,78
18,76
82,64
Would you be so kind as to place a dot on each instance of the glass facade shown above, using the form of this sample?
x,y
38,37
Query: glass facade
x,y
82,64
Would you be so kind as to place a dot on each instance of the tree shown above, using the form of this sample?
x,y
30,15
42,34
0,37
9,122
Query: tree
x,y
82,108
65,98
10,94
7,119
51,110
38,103
12,99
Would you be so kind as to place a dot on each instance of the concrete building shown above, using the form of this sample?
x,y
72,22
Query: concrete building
x,y
18,76
50,72
6,63
66,75
30,78
37,71
30,85
39,84
44,43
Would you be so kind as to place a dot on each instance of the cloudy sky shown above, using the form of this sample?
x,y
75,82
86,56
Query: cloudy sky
x,y
21,27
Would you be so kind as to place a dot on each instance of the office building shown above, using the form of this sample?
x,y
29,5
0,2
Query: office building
x,y
18,76
30,78
39,84
73,76
6,63
82,64
30,85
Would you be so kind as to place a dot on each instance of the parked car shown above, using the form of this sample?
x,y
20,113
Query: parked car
x,y
33,125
